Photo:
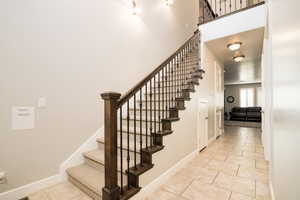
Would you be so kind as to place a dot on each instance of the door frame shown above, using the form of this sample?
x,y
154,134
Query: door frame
x,y
217,79
202,101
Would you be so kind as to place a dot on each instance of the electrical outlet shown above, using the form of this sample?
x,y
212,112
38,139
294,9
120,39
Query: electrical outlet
x,y
2,177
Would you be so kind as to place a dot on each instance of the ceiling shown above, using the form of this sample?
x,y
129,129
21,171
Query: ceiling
x,y
249,70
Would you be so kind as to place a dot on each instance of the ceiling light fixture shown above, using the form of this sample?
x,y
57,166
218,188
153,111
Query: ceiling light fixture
x,y
234,46
135,9
169,2
239,58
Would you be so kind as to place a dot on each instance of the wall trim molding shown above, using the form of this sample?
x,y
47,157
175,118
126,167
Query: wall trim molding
x,y
272,191
156,183
211,140
24,190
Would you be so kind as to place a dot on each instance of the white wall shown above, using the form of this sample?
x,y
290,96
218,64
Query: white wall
x,y
236,23
70,52
207,87
285,160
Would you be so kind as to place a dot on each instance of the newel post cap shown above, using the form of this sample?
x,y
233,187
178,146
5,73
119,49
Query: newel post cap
x,y
110,95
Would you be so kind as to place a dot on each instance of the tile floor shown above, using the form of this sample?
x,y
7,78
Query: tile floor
x,y
231,168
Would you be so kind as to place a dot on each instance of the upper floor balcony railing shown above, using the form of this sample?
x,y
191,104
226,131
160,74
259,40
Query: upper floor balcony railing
x,y
214,9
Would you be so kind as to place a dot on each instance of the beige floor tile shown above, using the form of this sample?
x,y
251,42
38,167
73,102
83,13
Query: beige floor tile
x,y
221,156
262,191
242,161
253,155
41,195
261,164
254,174
163,195
236,184
178,183
237,196
199,161
198,191
227,168
63,191
259,150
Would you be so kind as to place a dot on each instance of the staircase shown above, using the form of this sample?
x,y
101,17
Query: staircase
x,y
135,126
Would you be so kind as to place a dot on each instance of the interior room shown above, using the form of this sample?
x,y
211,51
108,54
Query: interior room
x,y
241,56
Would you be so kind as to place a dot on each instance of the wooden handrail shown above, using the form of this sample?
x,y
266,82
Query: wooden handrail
x,y
136,88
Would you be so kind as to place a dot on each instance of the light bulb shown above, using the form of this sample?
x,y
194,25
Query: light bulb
x,y
238,58
234,46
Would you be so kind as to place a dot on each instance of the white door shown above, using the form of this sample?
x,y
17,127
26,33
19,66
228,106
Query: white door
x,y
203,125
219,100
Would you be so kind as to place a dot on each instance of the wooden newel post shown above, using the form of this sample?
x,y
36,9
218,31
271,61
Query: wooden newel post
x,y
111,190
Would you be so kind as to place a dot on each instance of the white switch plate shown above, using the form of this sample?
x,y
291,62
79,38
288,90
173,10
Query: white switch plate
x,y
42,102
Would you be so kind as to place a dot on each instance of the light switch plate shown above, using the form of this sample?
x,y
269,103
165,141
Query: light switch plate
x,y
42,102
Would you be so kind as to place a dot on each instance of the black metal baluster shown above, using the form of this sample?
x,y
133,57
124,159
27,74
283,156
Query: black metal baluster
x,y
154,120
151,125
164,91
141,130
168,79
220,8
121,148
128,153
167,88
173,64
159,96
176,76
146,115
134,128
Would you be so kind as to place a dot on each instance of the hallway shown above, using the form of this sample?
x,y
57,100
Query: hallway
x,y
231,168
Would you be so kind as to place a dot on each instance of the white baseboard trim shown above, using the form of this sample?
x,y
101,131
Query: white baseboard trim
x,y
76,158
272,191
211,140
155,184
23,191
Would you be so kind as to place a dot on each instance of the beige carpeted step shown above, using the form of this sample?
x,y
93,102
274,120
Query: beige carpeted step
x,y
88,179
131,143
95,158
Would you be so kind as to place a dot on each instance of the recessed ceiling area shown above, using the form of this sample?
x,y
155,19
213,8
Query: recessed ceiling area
x,y
247,71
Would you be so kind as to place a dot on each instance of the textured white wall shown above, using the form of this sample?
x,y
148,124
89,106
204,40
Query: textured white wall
x,y
285,139
70,52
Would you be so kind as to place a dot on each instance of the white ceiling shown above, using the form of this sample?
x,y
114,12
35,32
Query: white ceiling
x,y
249,70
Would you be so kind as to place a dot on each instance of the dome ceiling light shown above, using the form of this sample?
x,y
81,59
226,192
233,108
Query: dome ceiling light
x,y
239,58
234,46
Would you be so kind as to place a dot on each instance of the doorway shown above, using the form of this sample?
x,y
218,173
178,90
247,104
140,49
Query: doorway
x,y
202,124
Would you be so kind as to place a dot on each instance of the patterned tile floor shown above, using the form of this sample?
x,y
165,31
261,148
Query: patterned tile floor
x,y
231,168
